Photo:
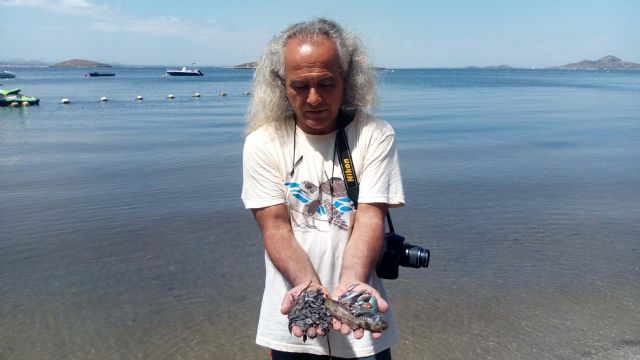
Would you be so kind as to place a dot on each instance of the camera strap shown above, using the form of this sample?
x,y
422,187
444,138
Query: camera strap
x,y
346,162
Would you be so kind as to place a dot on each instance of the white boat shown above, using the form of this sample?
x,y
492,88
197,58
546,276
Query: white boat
x,y
192,71
7,75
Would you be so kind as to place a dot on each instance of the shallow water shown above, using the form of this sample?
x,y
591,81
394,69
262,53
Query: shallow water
x,y
122,235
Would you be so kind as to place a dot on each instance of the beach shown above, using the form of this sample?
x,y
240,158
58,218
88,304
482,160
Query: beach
x,y
123,236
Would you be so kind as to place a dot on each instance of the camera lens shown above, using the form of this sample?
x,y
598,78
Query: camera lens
x,y
415,256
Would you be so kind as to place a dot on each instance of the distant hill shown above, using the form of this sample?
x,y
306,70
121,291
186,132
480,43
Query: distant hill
x,y
249,65
80,63
607,62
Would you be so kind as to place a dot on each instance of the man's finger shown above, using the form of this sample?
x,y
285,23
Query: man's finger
x,y
287,304
297,331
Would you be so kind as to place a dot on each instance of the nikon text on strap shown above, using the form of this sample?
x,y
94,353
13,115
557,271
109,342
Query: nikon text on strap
x,y
344,154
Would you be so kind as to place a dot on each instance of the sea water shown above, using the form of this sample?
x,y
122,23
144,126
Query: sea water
x,y
122,234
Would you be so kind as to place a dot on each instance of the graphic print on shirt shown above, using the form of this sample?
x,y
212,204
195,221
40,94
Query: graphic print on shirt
x,y
315,205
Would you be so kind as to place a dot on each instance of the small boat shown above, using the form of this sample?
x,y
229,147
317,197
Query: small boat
x,y
8,97
7,74
193,71
97,74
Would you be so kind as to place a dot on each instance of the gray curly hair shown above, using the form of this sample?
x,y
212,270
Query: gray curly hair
x,y
269,103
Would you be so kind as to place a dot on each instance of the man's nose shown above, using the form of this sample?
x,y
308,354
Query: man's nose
x,y
314,97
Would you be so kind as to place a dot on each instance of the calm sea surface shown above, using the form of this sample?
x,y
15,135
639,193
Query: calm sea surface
x,y
122,233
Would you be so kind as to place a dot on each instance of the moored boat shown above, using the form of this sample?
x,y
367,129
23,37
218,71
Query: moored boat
x,y
193,71
97,74
7,74
9,97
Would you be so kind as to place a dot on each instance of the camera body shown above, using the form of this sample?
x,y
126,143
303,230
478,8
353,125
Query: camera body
x,y
398,253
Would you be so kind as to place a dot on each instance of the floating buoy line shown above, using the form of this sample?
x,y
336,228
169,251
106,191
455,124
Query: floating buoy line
x,y
138,98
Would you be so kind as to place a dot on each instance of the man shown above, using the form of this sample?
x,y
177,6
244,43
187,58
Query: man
x,y
310,76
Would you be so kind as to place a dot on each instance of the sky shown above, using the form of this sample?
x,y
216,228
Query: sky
x,y
397,34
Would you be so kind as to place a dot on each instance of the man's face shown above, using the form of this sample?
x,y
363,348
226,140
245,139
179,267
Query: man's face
x,y
314,83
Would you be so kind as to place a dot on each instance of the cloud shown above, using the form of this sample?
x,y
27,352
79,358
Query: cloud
x,y
110,19
73,7
80,7
103,18
164,26
143,35
22,3
161,26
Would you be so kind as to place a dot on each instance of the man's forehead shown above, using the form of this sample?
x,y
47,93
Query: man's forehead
x,y
308,39
318,51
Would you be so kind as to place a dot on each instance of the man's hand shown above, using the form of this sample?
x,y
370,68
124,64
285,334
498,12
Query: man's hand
x,y
345,329
289,299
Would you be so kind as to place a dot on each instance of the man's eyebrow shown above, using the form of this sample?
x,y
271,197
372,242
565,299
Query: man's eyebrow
x,y
327,79
296,82
324,78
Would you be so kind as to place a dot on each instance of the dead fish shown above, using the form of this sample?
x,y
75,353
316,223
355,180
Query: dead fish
x,y
342,313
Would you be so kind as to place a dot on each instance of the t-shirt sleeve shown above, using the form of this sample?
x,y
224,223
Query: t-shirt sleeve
x,y
261,179
381,181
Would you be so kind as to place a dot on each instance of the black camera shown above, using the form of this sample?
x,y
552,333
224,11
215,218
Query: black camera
x,y
398,253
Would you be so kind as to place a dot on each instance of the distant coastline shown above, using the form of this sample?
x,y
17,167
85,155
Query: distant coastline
x,y
249,65
608,62
494,67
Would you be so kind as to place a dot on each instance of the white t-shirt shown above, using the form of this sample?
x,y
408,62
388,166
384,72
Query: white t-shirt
x,y
321,214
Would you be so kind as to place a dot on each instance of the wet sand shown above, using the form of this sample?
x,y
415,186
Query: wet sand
x,y
190,288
